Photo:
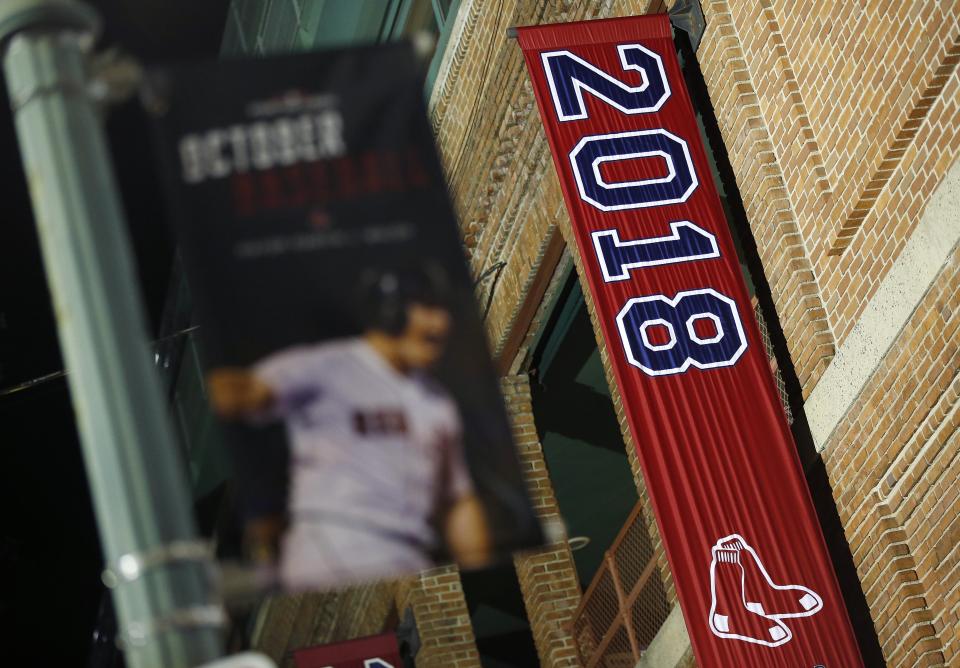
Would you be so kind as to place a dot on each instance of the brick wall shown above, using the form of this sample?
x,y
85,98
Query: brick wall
x,y
443,620
548,577
895,474
859,130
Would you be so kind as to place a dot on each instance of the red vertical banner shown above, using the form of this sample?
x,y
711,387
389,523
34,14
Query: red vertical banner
x,y
751,568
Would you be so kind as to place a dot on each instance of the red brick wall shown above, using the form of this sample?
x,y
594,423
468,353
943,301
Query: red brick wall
x,y
852,97
443,620
548,577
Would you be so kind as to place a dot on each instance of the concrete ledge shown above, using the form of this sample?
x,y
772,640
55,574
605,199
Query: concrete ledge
x,y
671,644
889,311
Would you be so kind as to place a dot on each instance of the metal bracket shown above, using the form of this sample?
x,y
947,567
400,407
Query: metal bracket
x,y
19,15
114,77
138,634
134,565
687,15
131,566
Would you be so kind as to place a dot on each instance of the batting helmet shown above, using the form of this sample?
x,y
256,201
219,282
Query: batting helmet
x,y
386,294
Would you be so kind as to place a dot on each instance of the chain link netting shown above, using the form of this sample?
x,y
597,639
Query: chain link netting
x,y
625,605
768,346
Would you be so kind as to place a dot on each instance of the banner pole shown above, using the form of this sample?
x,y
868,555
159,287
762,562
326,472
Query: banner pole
x,y
162,579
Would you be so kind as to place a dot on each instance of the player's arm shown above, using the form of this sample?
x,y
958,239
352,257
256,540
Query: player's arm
x,y
237,393
467,532
465,526
270,388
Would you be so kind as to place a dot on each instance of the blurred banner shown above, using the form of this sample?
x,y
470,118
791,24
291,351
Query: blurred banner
x,y
371,652
345,355
748,557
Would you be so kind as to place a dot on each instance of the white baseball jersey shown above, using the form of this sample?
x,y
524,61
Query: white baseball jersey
x,y
371,449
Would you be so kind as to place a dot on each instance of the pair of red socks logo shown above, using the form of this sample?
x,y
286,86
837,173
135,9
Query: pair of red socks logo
x,y
745,603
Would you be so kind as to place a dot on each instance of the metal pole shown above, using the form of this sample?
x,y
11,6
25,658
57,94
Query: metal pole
x,y
161,575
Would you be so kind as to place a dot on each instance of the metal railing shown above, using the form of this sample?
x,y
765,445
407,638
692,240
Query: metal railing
x,y
625,604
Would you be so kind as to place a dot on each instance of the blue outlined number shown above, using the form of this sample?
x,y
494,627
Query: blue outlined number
x,y
697,328
568,76
684,346
686,242
376,663
675,186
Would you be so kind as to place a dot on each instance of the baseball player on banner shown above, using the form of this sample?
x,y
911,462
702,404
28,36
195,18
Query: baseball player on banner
x,y
378,480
